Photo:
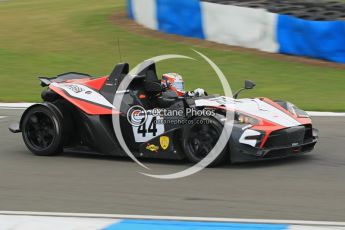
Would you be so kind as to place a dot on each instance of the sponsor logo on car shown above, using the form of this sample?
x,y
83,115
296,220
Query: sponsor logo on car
x,y
164,141
75,88
152,148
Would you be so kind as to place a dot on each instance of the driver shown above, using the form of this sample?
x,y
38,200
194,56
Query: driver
x,y
174,82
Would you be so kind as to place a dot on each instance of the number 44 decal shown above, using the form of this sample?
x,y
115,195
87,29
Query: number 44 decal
x,y
152,128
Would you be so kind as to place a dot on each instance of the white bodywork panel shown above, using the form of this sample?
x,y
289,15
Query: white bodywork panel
x,y
84,93
255,107
248,133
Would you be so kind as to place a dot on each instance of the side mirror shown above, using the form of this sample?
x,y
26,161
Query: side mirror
x,y
249,84
153,87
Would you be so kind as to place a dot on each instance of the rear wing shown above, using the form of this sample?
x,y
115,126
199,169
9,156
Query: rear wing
x,y
46,81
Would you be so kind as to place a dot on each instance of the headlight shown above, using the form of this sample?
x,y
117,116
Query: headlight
x,y
246,119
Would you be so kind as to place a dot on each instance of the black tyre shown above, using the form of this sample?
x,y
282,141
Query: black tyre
x,y
199,139
42,131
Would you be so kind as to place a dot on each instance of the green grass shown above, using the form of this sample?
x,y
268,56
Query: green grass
x,y
45,38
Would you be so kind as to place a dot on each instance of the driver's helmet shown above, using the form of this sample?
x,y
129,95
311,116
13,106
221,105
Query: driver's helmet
x,y
174,82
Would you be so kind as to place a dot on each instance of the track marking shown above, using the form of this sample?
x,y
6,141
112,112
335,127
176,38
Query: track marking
x,y
15,105
301,227
325,114
70,223
182,218
1,117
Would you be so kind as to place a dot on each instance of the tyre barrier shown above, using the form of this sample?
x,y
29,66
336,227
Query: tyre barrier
x,y
251,24
307,9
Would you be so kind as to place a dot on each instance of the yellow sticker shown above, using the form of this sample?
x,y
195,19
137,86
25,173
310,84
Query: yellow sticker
x,y
152,148
164,141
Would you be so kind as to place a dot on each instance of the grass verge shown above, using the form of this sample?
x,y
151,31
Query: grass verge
x,y
46,38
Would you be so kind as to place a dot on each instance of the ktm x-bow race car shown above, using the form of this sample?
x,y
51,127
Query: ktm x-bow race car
x,y
77,109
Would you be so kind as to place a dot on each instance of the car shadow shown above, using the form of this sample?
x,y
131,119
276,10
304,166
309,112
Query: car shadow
x,y
302,159
125,158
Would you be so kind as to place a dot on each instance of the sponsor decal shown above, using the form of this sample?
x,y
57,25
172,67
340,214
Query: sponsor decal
x,y
152,148
164,141
84,93
75,88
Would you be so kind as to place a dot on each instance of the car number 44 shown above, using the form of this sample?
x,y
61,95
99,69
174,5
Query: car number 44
x,y
151,128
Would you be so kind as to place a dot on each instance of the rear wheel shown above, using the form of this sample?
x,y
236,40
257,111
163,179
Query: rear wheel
x,y
42,131
199,139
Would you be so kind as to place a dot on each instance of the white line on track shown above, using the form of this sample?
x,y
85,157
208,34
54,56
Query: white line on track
x,y
182,218
15,222
2,117
15,105
325,114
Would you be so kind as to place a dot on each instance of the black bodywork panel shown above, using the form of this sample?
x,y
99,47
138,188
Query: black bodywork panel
x,y
45,81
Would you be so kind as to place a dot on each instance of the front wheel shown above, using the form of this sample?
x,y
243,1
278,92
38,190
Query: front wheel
x,y
200,138
42,131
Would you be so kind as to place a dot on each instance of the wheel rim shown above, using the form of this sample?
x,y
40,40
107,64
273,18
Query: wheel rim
x,y
201,140
40,131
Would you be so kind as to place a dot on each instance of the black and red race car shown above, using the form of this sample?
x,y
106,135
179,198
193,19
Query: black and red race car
x,y
77,109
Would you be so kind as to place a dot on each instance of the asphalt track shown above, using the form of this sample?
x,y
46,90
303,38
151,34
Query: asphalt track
x,y
310,187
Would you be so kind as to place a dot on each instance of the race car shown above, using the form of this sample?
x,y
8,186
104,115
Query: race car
x,y
77,111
